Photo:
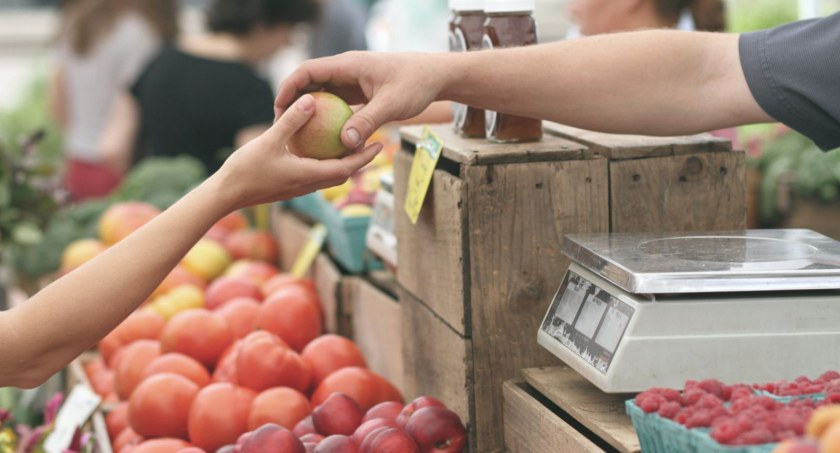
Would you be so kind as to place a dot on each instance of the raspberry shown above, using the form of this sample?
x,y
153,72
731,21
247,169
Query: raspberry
x,y
649,403
669,394
709,401
692,396
782,435
669,409
829,376
787,419
739,393
812,388
755,436
832,398
702,418
712,386
765,402
682,416
726,432
802,379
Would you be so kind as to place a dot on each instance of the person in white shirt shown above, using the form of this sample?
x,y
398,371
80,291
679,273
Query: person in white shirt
x,y
102,47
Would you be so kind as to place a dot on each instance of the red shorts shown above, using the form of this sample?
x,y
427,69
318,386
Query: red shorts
x,y
86,180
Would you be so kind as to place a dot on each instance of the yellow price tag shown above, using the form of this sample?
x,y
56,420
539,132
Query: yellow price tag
x,y
310,250
422,168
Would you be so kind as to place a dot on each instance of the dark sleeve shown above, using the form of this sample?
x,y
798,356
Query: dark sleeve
x,y
793,72
255,106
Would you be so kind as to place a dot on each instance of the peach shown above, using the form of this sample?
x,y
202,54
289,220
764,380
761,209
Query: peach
x,y
388,410
337,444
372,425
122,219
338,414
393,440
437,429
320,137
414,406
79,252
271,438
207,259
304,427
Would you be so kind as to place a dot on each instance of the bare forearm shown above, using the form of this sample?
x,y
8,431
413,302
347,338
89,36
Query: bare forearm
x,y
70,315
652,82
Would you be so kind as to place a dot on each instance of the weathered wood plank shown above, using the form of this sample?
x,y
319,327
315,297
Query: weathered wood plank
x,y
291,232
478,151
437,360
531,427
518,215
691,192
328,280
620,147
376,321
602,413
431,253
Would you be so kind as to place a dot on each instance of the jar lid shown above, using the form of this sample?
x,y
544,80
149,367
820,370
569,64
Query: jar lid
x,y
501,6
466,5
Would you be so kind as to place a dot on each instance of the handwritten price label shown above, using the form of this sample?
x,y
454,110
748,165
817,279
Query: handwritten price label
x,y
422,168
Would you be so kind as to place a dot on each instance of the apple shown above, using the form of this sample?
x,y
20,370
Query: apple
x,y
388,410
304,427
338,414
371,425
393,440
272,438
224,289
367,442
315,438
252,244
437,429
337,444
122,219
414,406
320,137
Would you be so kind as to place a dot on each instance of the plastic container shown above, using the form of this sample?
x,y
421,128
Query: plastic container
x,y
510,23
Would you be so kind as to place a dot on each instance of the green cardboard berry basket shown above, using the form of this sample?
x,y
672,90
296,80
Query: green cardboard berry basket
x,y
346,236
660,435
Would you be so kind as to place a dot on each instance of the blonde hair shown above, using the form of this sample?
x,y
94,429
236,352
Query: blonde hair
x,y
85,22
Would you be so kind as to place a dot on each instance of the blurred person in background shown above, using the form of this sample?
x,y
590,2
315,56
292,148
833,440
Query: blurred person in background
x,y
202,96
102,46
340,28
595,17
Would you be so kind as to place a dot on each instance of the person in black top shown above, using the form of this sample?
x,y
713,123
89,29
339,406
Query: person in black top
x,y
202,96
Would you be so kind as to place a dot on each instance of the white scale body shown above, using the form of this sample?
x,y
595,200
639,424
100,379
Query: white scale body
x,y
636,311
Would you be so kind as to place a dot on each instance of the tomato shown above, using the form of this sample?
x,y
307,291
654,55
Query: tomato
x,y
361,384
241,315
109,345
178,276
329,353
224,289
160,405
264,361
116,420
219,415
199,334
292,314
130,363
164,445
142,324
281,405
100,376
125,439
181,364
280,280
226,368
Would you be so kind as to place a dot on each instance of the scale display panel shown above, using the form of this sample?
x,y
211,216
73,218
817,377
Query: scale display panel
x,y
587,320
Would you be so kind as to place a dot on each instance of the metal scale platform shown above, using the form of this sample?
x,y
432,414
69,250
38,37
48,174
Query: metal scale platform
x,y
636,311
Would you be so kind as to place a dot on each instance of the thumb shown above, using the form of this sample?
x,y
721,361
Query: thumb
x,y
365,122
293,118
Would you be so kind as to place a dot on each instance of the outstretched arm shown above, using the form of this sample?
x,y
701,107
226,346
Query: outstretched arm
x,y
651,82
48,331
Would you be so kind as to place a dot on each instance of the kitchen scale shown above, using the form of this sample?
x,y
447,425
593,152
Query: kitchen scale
x,y
640,310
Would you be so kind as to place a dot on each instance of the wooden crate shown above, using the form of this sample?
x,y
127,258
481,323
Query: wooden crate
x,y
483,260
557,410
692,183
291,231
375,325
76,376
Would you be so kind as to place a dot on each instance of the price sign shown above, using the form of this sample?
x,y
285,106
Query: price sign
x,y
422,168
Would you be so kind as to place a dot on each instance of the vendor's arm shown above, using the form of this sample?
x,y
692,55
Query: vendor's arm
x,y
48,331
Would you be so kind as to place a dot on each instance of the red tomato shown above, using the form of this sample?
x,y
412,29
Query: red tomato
x,y
160,405
292,313
329,353
264,361
198,333
219,415
281,405
181,364
361,384
130,363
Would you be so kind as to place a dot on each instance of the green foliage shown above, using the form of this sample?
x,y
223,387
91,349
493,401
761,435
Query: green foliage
x,y
750,15
816,174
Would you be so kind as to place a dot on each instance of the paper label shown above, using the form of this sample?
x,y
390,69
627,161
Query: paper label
x,y
310,250
76,410
422,168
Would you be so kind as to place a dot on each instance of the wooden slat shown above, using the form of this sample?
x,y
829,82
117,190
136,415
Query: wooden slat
x,y
518,216
328,279
291,232
602,413
437,360
530,427
431,253
478,151
620,147
376,321
691,192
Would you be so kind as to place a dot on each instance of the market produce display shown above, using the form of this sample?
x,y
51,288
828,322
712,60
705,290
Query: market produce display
x,y
746,415
230,354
